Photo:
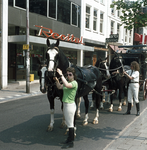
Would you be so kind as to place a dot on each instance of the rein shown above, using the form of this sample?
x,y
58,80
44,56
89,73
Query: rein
x,y
111,69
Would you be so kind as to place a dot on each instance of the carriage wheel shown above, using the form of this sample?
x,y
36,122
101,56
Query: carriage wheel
x,y
145,90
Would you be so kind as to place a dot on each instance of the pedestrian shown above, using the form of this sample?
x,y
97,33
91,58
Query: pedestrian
x,y
69,87
133,88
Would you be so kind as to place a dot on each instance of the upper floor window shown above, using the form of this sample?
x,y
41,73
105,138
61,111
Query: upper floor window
x,y
118,13
102,1
87,25
112,10
101,21
126,31
130,34
95,20
52,9
64,11
112,27
74,13
21,4
118,29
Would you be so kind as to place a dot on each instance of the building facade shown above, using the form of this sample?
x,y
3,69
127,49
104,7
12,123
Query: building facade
x,y
84,24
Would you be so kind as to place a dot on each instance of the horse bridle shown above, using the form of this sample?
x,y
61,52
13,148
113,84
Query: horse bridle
x,y
55,62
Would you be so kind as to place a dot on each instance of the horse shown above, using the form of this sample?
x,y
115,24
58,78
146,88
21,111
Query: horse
x,y
118,80
88,77
47,86
102,65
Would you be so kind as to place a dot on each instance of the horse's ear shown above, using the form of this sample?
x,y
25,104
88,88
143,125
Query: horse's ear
x,y
48,42
57,43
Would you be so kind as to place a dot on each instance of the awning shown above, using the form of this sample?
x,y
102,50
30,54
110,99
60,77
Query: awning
x,y
39,40
100,49
118,50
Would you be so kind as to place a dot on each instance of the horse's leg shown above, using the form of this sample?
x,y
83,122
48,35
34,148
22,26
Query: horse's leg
x,y
93,101
98,101
51,100
85,122
111,106
103,93
120,97
78,107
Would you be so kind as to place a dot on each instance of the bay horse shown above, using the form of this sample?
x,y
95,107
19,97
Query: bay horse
x,y
117,80
88,78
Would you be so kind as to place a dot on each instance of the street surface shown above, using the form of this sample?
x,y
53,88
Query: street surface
x,y
23,124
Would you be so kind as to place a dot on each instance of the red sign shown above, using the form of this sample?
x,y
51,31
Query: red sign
x,y
49,33
139,37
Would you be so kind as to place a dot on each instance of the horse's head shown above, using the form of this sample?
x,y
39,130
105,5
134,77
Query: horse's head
x,y
52,58
103,67
42,75
117,64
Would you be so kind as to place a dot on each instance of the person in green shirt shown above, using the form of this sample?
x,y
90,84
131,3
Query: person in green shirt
x,y
69,87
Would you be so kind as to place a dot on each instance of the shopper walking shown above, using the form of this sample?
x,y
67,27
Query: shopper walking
x,y
69,87
133,88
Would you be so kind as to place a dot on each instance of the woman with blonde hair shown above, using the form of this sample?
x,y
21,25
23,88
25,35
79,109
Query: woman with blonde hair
x,y
133,88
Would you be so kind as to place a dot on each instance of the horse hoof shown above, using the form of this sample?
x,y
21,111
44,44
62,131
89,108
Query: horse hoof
x,y
63,125
110,110
103,100
85,123
102,108
124,103
78,116
119,109
95,121
49,128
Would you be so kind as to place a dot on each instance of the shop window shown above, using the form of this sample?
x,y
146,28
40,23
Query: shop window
x,y
88,58
64,11
71,56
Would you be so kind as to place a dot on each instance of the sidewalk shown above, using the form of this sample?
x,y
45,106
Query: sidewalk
x,y
133,137
17,90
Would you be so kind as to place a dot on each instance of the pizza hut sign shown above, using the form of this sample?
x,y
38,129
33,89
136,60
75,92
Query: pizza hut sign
x,y
49,33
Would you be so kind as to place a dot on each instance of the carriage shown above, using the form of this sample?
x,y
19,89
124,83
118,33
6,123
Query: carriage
x,y
139,55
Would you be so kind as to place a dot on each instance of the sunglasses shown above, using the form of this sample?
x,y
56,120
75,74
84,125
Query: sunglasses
x,y
69,74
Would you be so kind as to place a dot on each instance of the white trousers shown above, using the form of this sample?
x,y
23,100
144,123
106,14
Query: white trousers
x,y
133,91
69,110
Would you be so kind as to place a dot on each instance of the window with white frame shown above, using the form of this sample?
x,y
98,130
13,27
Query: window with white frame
x,y
118,13
112,27
95,20
102,1
118,30
126,31
112,10
130,33
87,24
101,21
